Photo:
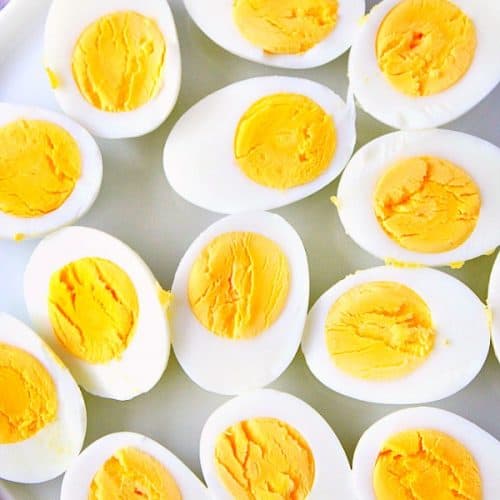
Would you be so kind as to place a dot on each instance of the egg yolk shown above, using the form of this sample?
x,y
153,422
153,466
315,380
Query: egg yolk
x,y
239,285
285,26
93,308
131,474
264,458
28,400
284,140
40,163
424,464
427,204
425,46
118,61
379,330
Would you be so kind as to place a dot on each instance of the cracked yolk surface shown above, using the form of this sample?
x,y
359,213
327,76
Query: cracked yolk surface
x,y
131,474
118,61
427,204
285,140
28,399
424,47
285,26
264,459
40,164
239,284
93,308
379,330
424,464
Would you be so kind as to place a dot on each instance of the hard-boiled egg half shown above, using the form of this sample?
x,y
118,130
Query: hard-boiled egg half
x,y
397,336
260,143
115,66
269,444
421,63
50,171
241,293
283,33
42,413
494,305
126,465
423,197
98,305
426,453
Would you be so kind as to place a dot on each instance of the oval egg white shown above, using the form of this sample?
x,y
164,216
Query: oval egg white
x,y
494,306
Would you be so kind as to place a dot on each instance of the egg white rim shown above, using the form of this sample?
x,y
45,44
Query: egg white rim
x,y
494,305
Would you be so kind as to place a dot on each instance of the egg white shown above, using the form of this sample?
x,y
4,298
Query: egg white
x,y
494,305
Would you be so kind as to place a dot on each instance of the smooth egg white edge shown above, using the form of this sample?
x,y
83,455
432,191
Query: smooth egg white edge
x,y
494,305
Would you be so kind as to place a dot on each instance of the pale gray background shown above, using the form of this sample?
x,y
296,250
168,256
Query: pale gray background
x,y
137,205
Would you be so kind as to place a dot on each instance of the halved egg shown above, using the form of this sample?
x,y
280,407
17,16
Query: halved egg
x,y
115,66
241,293
42,413
280,140
130,465
50,171
423,197
97,304
426,453
419,64
397,336
494,306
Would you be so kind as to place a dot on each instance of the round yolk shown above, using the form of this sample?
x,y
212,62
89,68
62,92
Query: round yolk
x,y
131,474
284,140
40,164
427,204
118,61
239,285
93,308
28,400
424,464
425,46
264,458
379,330
285,26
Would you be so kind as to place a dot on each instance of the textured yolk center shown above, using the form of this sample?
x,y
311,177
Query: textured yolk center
x,y
131,474
427,204
425,464
28,396
284,140
239,284
93,308
425,46
379,330
40,164
118,61
264,459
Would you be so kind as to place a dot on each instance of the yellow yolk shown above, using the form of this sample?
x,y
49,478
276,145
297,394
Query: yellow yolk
x,y
285,26
93,308
285,140
131,474
28,395
379,330
264,459
427,204
425,46
40,163
239,285
118,61
425,464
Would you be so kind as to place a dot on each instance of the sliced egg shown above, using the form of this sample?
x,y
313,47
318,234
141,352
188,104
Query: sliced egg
x,y
97,304
42,413
494,306
51,171
115,66
423,197
397,336
280,140
419,64
426,453
241,293
129,465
